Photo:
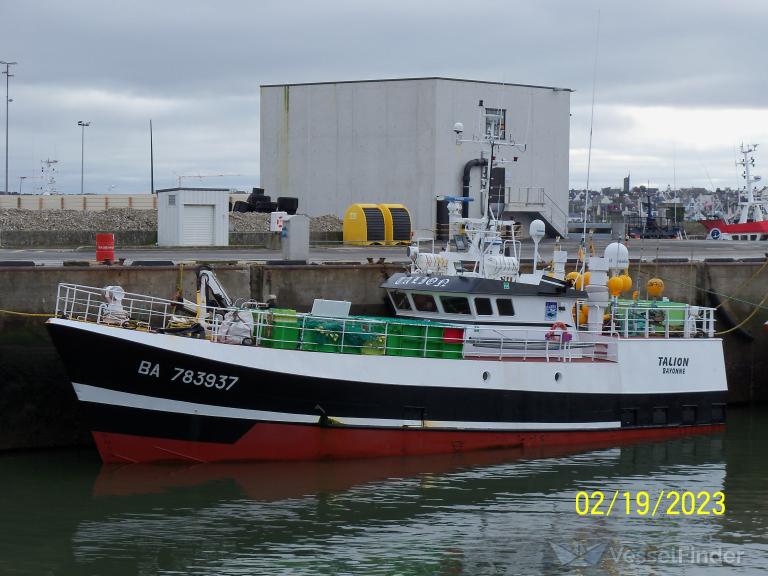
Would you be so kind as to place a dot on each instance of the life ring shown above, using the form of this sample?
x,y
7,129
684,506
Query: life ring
x,y
558,331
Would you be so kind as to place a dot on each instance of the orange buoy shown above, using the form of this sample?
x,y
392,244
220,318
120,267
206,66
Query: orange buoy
x,y
655,287
615,285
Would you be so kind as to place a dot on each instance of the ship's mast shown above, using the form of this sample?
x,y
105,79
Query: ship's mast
x,y
490,135
747,162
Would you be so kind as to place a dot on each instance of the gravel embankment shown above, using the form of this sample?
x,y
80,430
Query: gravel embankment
x,y
113,220
120,219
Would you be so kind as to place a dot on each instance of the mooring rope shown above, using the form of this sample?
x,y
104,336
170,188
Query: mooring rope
x,y
747,319
14,313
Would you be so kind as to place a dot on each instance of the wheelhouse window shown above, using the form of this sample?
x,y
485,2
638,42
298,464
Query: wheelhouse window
x,y
424,302
483,306
400,300
455,304
505,307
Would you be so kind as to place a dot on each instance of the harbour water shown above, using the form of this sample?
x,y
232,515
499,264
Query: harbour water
x,y
501,512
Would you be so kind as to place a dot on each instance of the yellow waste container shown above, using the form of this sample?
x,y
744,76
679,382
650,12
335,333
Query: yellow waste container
x,y
364,225
397,222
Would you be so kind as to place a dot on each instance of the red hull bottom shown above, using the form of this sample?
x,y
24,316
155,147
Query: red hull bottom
x,y
281,442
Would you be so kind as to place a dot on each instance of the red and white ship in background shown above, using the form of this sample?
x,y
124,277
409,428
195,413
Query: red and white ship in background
x,y
753,218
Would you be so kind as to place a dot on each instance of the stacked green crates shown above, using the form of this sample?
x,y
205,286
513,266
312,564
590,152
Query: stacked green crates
x,y
412,341
419,338
285,329
394,339
637,314
434,343
362,335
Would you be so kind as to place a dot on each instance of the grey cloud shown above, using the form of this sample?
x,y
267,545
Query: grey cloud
x,y
195,68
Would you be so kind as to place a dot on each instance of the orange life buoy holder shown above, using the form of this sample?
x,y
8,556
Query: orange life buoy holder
x,y
558,331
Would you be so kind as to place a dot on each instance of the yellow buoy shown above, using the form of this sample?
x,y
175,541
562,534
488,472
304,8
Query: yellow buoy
x,y
615,285
626,280
587,276
655,287
583,314
574,278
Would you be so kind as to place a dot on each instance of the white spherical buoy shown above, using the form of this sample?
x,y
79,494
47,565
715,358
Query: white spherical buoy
x,y
537,230
617,256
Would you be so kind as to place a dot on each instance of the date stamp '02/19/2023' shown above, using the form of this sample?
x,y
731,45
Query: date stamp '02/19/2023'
x,y
642,503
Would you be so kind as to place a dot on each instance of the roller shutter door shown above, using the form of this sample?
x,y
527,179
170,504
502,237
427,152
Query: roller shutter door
x,y
375,221
401,225
198,225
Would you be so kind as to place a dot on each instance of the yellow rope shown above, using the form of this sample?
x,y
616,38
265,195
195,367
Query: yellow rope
x,y
706,290
747,319
25,314
747,281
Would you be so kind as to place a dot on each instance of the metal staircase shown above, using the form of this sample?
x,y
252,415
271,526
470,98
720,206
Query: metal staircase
x,y
534,202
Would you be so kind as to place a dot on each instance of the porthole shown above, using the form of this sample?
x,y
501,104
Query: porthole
x,y
558,376
486,376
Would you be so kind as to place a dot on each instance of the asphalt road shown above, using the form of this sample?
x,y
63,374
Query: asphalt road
x,y
645,249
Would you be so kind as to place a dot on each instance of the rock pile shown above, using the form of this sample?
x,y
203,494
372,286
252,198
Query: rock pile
x,y
257,222
248,222
327,223
122,219
113,220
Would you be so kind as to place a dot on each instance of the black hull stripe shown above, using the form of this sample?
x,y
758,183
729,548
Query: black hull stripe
x,y
97,395
154,424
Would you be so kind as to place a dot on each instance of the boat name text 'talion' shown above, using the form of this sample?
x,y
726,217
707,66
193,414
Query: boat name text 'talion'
x,y
673,364
418,280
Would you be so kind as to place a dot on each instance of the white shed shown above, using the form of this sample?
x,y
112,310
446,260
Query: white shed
x,y
193,217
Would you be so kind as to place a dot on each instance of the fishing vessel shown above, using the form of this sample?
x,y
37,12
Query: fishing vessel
x,y
477,355
752,224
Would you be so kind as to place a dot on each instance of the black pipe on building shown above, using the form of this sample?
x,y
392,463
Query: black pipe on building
x,y
465,182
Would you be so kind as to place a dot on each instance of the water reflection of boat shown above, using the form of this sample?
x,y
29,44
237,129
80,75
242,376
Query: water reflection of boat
x,y
272,481
269,481
444,514
324,517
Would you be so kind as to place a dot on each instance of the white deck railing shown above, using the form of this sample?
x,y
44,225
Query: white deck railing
x,y
384,336
90,304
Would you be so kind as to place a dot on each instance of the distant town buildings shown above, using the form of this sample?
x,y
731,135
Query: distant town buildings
x,y
686,204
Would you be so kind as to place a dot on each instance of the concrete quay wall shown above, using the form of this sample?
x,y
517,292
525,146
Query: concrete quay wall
x,y
38,407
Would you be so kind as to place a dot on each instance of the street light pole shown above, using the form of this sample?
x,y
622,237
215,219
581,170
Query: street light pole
x,y
7,101
82,153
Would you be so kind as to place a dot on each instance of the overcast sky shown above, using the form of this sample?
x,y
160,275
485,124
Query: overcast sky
x,y
679,83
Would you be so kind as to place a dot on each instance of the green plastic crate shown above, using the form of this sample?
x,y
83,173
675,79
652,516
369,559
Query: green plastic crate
x,y
394,339
285,329
453,350
434,343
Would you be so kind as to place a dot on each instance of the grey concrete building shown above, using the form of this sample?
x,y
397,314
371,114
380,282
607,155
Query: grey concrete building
x,y
337,143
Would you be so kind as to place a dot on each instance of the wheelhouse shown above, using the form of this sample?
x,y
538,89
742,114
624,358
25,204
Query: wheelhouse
x,y
482,301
